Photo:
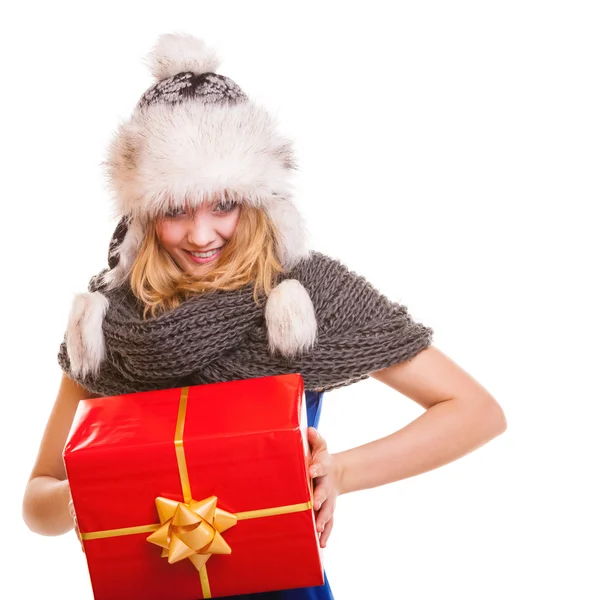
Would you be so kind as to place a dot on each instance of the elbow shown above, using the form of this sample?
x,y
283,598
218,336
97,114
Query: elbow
x,y
485,416
28,513
493,418
35,521
43,509
502,422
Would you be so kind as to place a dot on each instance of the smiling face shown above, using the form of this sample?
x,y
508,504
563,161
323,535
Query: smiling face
x,y
195,239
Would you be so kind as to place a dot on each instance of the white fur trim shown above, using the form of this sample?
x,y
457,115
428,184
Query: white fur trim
x,y
292,235
176,53
167,156
170,155
290,317
84,337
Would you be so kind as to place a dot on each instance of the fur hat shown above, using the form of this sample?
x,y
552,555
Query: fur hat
x,y
194,134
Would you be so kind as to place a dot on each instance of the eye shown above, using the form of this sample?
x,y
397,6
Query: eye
x,y
225,206
175,212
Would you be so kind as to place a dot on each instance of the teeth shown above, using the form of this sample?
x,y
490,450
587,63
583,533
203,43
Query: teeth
x,y
205,254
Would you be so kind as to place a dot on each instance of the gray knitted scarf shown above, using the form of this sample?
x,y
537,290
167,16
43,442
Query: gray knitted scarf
x,y
222,336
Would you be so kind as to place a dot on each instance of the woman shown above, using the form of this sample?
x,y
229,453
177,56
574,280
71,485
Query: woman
x,y
211,279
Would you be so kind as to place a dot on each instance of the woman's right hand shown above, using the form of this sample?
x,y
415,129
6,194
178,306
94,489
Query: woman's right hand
x,y
74,517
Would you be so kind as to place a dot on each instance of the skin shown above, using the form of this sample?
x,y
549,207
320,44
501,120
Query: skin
x,y
459,416
210,226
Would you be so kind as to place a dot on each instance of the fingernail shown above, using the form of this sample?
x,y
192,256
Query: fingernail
x,y
317,505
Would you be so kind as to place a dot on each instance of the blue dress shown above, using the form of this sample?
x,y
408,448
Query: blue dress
x,y
322,592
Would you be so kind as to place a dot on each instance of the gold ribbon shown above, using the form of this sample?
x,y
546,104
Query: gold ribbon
x,y
192,529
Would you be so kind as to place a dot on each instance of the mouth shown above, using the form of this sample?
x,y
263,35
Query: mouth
x,y
201,258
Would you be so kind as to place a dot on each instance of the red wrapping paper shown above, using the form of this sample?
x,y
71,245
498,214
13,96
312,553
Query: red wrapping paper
x,y
244,442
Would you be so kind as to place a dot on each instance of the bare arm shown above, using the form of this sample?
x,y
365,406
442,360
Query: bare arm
x,y
45,503
460,416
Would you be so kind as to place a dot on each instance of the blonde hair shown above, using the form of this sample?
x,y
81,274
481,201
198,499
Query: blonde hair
x,y
249,256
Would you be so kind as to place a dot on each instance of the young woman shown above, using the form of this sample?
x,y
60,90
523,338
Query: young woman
x,y
210,279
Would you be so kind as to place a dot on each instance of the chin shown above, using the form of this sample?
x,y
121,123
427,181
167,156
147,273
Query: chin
x,y
199,269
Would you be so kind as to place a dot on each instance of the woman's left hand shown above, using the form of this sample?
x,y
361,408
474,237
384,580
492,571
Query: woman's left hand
x,y
325,470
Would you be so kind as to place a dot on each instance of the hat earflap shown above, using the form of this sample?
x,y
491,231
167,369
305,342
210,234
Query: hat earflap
x,y
289,312
126,243
291,232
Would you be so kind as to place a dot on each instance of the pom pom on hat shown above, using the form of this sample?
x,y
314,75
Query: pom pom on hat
x,y
176,53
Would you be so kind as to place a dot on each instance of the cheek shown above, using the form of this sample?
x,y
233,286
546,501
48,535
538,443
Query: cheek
x,y
169,233
231,224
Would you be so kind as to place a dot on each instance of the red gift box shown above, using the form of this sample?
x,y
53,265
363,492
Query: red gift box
x,y
196,492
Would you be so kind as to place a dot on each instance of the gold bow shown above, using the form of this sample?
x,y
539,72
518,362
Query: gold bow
x,y
192,530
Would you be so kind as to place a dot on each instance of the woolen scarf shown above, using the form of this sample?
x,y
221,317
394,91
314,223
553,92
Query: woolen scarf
x,y
222,336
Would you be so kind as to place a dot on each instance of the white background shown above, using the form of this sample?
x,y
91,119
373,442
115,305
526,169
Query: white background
x,y
449,152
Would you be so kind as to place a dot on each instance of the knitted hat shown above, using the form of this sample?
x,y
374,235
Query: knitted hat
x,y
194,134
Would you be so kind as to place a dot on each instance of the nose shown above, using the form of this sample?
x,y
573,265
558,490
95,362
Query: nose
x,y
201,232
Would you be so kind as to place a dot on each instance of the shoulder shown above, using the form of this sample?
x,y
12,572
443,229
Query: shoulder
x,y
316,258
340,296
329,276
322,269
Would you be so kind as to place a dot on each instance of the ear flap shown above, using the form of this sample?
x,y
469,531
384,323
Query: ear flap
x,y
124,246
290,318
292,235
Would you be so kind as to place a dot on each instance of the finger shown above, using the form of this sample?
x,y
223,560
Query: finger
x,y
326,532
317,470
73,514
325,514
78,534
317,441
320,496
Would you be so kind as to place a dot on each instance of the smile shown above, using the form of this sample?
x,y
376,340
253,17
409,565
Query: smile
x,y
204,257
